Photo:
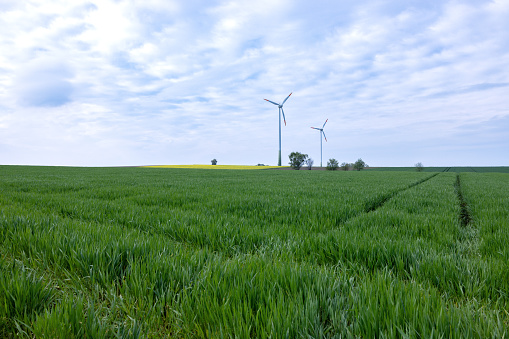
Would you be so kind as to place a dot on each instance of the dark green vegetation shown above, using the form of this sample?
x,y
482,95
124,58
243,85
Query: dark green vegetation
x,y
359,165
332,164
297,159
139,252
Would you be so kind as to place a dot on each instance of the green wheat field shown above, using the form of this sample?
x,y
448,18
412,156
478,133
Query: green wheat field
x,y
184,253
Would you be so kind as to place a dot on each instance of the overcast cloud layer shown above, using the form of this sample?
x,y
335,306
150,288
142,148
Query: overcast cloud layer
x,y
101,83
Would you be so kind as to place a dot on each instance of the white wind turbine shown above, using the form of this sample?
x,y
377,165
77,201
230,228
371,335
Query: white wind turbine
x,y
321,132
280,111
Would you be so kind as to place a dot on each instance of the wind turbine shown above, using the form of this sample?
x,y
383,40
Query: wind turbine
x,y
280,111
321,132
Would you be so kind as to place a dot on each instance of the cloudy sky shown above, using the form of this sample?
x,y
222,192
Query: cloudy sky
x,y
113,83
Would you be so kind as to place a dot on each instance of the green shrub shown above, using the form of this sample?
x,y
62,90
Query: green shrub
x,y
332,164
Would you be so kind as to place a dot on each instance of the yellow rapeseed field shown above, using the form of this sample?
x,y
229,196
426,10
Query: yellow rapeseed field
x,y
236,167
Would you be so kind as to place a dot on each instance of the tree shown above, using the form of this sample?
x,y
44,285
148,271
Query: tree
x,y
213,161
332,164
359,164
310,163
419,167
345,166
297,159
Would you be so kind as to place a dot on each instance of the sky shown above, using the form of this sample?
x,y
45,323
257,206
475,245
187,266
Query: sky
x,y
155,82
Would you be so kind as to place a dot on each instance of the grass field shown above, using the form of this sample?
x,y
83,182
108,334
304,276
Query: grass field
x,y
493,169
169,252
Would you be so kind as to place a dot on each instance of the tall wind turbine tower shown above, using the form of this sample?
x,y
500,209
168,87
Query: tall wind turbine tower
x,y
321,132
280,111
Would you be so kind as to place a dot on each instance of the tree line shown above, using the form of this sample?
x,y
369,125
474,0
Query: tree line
x,y
297,160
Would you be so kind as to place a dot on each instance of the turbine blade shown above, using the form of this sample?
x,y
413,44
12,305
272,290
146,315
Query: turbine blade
x,y
325,123
283,115
286,99
315,128
324,135
272,102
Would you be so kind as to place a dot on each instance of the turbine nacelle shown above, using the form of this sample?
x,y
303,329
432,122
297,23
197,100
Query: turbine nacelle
x,y
321,129
280,106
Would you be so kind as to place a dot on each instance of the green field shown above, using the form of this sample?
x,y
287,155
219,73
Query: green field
x,y
158,252
493,169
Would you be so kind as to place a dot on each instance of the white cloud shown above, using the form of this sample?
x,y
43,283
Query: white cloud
x,y
128,82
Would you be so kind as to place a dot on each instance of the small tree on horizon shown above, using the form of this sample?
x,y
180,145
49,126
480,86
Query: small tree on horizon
x,y
345,166
213,161
419,167
332,164
297,159
359,164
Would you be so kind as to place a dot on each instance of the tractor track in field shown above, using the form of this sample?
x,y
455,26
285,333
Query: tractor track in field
x,y
379,201
369,206
464,215
468,240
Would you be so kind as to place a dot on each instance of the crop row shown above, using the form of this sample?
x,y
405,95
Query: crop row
x,y
228,213
487,198
174,290
127,253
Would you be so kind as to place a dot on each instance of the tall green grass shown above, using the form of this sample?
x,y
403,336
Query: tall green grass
x,y
23,295
487,199
130,252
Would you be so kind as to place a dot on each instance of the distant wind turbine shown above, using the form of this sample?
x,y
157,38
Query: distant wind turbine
x,y
321,132
280,111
